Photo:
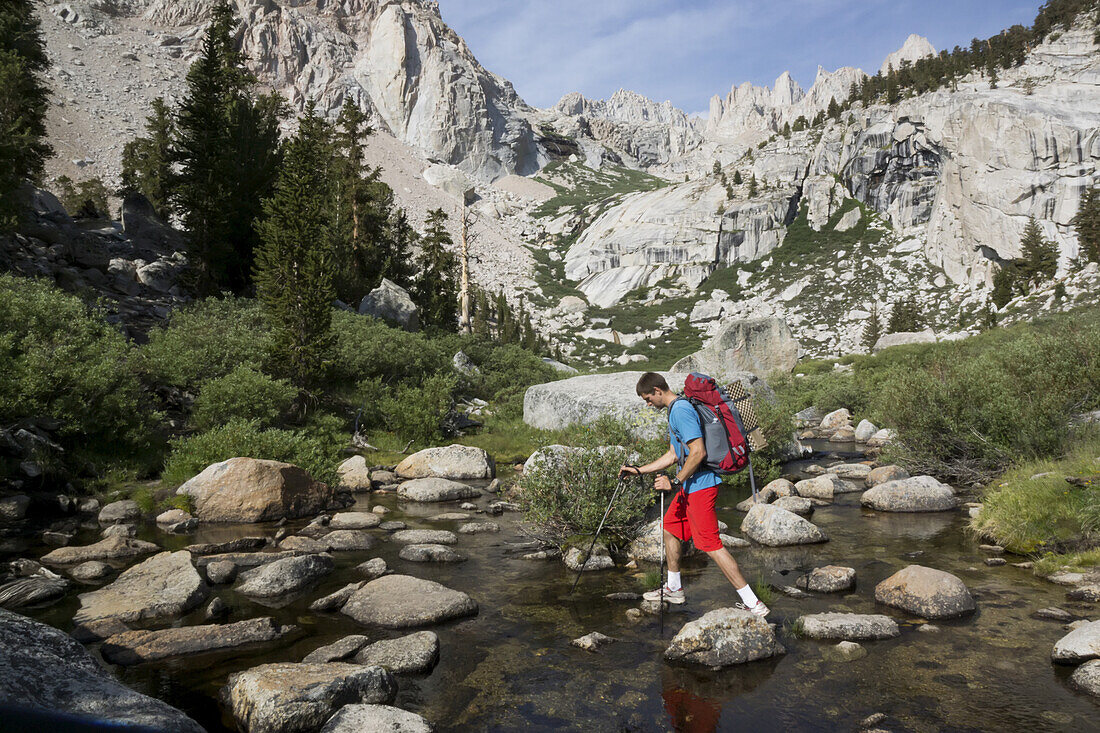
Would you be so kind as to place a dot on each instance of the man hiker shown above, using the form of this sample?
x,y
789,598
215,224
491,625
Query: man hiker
x,y
691,514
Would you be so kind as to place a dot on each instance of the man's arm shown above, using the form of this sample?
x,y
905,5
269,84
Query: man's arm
x,y
660,464
697,453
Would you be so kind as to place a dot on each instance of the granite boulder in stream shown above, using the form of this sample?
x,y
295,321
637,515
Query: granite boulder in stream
x,y
415,653
436,489
111,548
361,718
300,698
254,490
164,585
284,576
915,494
1079,645
402,601
849,626
135,647
456,462
46,670
724,637
770,525
926,592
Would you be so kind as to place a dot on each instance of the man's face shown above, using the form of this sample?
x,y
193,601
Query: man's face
x,y
654,398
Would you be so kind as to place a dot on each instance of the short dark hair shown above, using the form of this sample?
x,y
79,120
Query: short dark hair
x,y
649,382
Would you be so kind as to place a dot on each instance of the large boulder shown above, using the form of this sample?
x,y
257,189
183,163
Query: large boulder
x,y
281,577
906,337
44,669
770,525
401,601
1086,678
915,494
111,548
255,490
724,637
456,462
587,398
300,698
849,626
361,718
391,303
354,474
1079,645
925,592
135,647
125,510
882,474
758,346
164,585
436,489
413,654
828,579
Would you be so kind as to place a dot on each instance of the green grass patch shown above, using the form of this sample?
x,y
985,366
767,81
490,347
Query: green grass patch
x,y
1051,563
763,590
579,186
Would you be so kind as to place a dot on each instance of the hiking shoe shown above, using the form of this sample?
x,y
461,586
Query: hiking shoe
x,y
672,596
759,610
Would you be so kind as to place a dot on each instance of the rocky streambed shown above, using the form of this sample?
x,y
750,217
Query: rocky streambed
x,y
433,608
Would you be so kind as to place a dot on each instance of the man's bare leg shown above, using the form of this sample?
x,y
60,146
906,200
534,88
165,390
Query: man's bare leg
x,y
725,562
672,552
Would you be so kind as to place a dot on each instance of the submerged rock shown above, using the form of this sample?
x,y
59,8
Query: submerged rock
x,y
46,670
592,642
415,653
297,698
724,637
164,585
135,647
925,592
401,601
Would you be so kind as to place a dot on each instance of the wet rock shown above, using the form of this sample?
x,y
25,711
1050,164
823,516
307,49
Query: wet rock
x,y
456,462
1054,613
42,588
733,543
111,548
430,553
992,549
468,506
135,647
925,592
392,526
355,475
244,544
795,504
775,527
415,653
45,669
552,553
598,560
592,642
119,530
338,651
401,601
845,434
435,489
1079,645
221,572
360,718
722,638
865,430
164,585
828,579
851,471
623,596
872,720
295,698
994,562
120,511
173,516
1086,678
91,571
479,528
915,494
304,544
847,651
215,609
98,630
284,576
348,540
1087,593
449,517
374,568
253,490
882,474
335,601
355,520
14,508
425,537
849,626
634,615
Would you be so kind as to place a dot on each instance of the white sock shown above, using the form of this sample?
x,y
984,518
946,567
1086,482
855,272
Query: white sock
x,y
747,596
674,581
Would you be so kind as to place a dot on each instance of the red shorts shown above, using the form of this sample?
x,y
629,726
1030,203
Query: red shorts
x,y
692,517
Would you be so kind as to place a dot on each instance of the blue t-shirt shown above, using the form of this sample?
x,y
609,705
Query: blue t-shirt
x,y
684,427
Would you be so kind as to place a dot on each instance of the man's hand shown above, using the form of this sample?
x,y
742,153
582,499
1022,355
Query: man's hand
x,y
662,483
626,470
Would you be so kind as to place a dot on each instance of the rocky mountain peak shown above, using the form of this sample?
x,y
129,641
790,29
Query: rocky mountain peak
x,y
915,48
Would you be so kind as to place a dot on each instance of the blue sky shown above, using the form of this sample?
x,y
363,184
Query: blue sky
x,y
687,51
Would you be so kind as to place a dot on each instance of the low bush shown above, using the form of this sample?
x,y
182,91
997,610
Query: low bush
x,y
366,348
416,413
245,394
314,450
205,341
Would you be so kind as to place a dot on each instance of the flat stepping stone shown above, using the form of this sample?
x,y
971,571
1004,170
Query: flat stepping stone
x,y
430,553
402,601
436,489
360,718
135,647
349,540
828,579
416,653
110,548
849,626
479,528
285,576
393,525
926,592
337,651
303,544
244,544
449,517
164,585
355,520
91,571
425,537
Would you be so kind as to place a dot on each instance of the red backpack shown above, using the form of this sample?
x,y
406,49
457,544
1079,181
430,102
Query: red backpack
x,y
724,431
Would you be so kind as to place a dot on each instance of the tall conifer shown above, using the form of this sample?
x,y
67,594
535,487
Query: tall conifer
x,y
1087,224
435,289
147,161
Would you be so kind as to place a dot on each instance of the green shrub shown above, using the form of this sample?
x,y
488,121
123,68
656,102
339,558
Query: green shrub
x,y
566,495
317,453
205,341
366,348
245,394
62,361
416,412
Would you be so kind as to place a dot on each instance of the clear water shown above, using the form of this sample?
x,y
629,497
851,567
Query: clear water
x,y
511,667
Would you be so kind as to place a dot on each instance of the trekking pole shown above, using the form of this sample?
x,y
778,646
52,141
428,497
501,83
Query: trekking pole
x,y
606,514
752,481
661,539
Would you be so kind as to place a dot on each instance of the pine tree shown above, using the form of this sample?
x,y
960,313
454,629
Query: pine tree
x,y
481,313
834,109
435,289
227,147
1005,284
905,316
1039,255
147,161
295,262
754,187
737,180
1087,224
24,99
989,316
872,331
717,168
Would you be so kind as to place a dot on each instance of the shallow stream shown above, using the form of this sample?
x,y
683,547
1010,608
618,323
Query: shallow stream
x,y
511,667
